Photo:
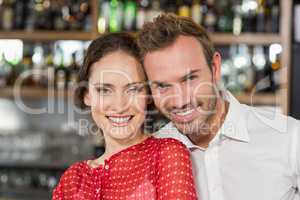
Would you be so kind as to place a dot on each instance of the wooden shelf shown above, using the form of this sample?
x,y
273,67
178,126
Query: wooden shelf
x,y
259,99
250,99
245,38
218,38
34,92
47,35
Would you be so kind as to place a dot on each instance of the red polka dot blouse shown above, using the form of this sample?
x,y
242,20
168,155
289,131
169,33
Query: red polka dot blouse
x,y
152,170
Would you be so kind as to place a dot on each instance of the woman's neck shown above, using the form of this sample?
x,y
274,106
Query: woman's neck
x,y
113,146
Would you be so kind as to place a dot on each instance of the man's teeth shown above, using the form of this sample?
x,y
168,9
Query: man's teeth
x,y
119,119
185,112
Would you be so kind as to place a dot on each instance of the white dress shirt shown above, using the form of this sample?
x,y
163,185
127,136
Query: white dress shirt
x,y
254,156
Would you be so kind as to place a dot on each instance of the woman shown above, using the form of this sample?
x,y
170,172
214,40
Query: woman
x,y
135,165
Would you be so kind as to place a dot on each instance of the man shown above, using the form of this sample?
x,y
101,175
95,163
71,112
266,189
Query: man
x,y
238,152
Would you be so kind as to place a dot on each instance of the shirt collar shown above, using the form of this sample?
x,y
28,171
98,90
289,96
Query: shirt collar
x,y
235,123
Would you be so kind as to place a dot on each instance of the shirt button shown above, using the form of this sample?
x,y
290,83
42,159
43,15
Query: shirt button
x,y
106,167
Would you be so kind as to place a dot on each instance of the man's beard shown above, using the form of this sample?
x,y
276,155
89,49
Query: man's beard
x,y
201,124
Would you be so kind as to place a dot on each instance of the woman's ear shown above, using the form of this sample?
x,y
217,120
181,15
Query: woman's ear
x,y
87,99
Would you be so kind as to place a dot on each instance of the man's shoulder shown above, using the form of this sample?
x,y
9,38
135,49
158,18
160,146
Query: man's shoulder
x,y
270,119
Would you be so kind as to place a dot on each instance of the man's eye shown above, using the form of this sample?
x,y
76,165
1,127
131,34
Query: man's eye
x,y
191,77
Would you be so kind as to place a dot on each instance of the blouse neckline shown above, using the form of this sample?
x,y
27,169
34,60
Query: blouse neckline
x,y
107,160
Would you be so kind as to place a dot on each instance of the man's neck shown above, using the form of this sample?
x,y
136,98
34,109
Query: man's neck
x,y
212,125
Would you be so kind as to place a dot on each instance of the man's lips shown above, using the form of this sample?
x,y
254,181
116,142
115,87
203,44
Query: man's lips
x,y
184,116
117,120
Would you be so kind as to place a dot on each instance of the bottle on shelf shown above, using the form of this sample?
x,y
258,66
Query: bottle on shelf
x,y
154,10
5,71
38,66
61,73
73,72
130,9
184,8
141,16
211,16
261,16
20,17
249,15
7,15
196,12
103,19
116,16
237,20
225,22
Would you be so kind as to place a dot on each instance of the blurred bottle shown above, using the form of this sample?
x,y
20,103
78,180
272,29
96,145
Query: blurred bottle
x,y
197,13
154,10
169,6
49,69
103,19
38,65
249,15
211,16
141,16
7,18
73,72
225,22
115,16
274,17
61,73
237,20
259,62
5,71
130,9
184,8
21,15
261,16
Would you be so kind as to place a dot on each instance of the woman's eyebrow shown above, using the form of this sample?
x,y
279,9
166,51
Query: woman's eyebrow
x,y
103,84
142,83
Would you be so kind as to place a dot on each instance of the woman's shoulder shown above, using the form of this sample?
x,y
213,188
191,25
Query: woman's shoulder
x,y
169,144
75,170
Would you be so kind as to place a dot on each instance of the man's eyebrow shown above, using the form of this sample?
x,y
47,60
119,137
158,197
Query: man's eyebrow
x,y
158,83
185,77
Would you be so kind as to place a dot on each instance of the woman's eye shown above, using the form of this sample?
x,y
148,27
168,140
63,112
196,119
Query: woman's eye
x,y
135,89
103,91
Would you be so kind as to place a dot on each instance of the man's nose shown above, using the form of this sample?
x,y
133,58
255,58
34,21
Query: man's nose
x,y
180,97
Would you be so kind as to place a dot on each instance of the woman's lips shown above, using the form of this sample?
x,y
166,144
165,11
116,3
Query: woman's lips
x,y
120,120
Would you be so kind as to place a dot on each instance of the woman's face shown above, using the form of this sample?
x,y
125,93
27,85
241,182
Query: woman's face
x,y
117,95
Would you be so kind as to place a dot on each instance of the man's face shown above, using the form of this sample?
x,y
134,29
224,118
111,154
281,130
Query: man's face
x,y
182,83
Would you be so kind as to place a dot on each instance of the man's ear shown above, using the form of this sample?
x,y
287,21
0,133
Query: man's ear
x,y
216,66
87,99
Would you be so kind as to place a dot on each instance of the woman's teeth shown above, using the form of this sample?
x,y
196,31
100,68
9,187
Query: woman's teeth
x,y
119,119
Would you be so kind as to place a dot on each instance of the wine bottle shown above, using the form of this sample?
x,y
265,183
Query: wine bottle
x,y
196,11
7,15
184,9
130,10
115,16
141,15
103,19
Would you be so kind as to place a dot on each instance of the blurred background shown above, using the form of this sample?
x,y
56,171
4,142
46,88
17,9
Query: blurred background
x,y
42,45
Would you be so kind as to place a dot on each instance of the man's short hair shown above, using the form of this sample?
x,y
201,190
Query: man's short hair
x,y
166,28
